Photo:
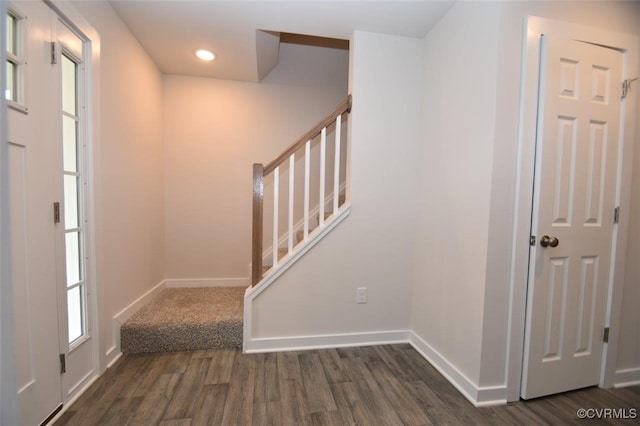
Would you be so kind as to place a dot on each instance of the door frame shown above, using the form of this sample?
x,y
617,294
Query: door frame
x,y
91,134
628,45
9,410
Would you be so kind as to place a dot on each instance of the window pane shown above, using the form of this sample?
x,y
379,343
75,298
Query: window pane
x,y
68,85
11,92
13,59
74,310
12,42
70,202
69,140
72,248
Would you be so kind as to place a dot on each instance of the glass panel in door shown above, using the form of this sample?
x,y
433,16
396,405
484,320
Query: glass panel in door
x,y
73,197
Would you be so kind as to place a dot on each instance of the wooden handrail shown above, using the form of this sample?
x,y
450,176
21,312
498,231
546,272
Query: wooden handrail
x,y
345,106
260,171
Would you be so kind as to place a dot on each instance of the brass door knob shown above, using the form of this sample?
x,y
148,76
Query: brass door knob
x,y
547,241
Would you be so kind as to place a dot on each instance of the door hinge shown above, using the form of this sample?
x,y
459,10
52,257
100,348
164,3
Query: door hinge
x,y
532,240
616,214
54,53
605,336
63,363
56,212
626,87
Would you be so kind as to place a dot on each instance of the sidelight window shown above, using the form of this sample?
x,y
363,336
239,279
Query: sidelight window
x,y
73,200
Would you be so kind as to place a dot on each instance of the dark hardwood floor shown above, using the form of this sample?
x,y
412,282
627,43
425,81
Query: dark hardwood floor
x,y
376,385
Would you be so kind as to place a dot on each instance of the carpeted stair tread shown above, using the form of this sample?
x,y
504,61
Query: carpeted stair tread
x,y
181,319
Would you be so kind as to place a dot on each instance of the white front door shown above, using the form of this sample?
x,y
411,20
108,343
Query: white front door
x,y
47,197
578,137
32,146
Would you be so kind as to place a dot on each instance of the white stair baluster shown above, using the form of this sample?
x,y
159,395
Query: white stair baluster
x,y
323,151
292,162
336,165
307,160
276,193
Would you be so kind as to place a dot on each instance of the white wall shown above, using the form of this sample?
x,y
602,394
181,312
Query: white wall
x,y
372,247
629,348
449,259
460,282
610,15
214,130
128,169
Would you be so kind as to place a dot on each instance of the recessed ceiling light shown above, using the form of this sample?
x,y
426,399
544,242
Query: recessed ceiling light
x,y
205,55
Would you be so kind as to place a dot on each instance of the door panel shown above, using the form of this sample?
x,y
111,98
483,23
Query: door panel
x,y
32,146
19,250
574,200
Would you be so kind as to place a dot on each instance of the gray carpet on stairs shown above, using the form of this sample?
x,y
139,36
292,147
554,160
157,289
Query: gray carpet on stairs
x,y
183,319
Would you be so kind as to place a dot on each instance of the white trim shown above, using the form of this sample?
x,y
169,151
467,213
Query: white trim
x,y
534,28
485,396
17,107
208,282
114,360
323,341
9,411
627,377
113,352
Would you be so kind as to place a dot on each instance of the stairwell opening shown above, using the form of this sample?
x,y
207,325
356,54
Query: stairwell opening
x,y
214,130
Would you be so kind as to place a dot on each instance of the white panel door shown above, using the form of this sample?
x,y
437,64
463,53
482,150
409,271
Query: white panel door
x,y
33,137
47,164
574,201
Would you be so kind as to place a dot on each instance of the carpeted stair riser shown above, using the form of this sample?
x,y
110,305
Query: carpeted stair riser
x,y
187,337
185,319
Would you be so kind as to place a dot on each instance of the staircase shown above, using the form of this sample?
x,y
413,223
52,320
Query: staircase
x,y
315,197
186,319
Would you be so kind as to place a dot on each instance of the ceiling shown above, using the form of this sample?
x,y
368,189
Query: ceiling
x,y
244,35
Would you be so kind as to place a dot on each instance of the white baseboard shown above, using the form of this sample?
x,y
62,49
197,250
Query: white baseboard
x,y
209,282
627,377
478,396
118,319
114,360
298,343
489,396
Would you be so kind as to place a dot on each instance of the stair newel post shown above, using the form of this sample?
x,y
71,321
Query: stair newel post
x,y
258,196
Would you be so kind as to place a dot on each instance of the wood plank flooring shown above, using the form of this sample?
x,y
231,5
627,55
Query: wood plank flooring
x,y
376,385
